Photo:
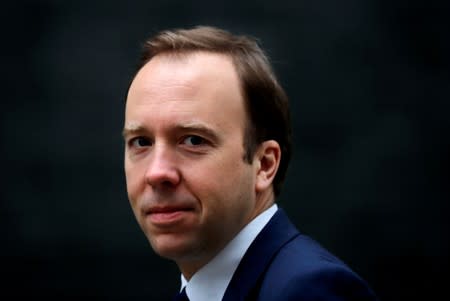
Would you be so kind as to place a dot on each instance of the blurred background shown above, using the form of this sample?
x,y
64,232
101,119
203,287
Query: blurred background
x,y
369,84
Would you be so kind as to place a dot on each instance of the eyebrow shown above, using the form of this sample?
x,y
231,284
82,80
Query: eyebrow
x,y
199,127
134,129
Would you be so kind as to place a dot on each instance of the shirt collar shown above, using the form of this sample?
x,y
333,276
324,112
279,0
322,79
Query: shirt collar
x,y
211,281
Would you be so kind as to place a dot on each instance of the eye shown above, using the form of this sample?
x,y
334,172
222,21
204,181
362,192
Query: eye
x,y
139,142
194,140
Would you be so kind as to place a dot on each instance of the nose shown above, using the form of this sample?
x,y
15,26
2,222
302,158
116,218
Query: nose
x,y
162,171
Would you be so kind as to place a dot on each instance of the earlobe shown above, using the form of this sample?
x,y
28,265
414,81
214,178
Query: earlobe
x,y
268,155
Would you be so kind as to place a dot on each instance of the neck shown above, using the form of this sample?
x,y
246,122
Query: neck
x,y
264,200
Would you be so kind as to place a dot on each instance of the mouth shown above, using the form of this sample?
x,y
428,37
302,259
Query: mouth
x,y
168,215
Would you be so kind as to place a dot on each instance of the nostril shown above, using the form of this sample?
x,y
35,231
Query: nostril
x,y
167,184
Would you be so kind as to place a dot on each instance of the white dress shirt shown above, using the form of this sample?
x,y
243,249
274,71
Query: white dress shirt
x,y
210,282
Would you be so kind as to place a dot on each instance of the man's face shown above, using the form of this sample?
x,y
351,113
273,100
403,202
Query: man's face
x,y
187,181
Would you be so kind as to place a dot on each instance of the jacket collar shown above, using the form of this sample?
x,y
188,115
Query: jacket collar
x,y
273,236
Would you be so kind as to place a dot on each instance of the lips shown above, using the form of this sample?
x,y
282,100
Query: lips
x,y
168,215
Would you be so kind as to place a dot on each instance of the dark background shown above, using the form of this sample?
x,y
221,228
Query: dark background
x,y
369,88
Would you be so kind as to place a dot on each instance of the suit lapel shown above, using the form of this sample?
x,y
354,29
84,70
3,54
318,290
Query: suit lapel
x,y
273,236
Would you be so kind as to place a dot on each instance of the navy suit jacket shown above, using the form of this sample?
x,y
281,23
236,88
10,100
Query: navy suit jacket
x,y
282,264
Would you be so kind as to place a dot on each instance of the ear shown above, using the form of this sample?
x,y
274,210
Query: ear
x,y
268,158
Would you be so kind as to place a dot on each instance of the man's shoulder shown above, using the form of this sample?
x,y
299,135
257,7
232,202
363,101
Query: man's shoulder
x,y
303,268
303,255
284,264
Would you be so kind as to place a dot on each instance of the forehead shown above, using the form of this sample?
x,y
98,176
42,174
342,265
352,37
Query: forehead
x,y
189,85
197,67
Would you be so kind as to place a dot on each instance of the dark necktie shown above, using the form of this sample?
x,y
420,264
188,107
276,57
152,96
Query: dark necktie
x,y
181,296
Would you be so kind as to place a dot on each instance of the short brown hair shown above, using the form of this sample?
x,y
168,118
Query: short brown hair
x,y
265,100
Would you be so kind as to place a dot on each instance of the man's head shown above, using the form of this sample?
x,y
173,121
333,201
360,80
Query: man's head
x,y
205,134
265,100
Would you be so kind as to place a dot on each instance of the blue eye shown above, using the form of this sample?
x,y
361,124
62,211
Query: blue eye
x,y
194,140
139,142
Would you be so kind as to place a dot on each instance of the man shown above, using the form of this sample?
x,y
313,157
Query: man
x,y
208,142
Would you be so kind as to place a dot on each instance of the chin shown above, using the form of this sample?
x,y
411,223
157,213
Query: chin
x,y
173,249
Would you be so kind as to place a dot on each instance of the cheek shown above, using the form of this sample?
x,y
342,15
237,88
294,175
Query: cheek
x,y
216,175
223,186
134,182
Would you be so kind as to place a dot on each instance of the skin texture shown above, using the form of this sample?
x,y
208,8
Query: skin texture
x,y
188,184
